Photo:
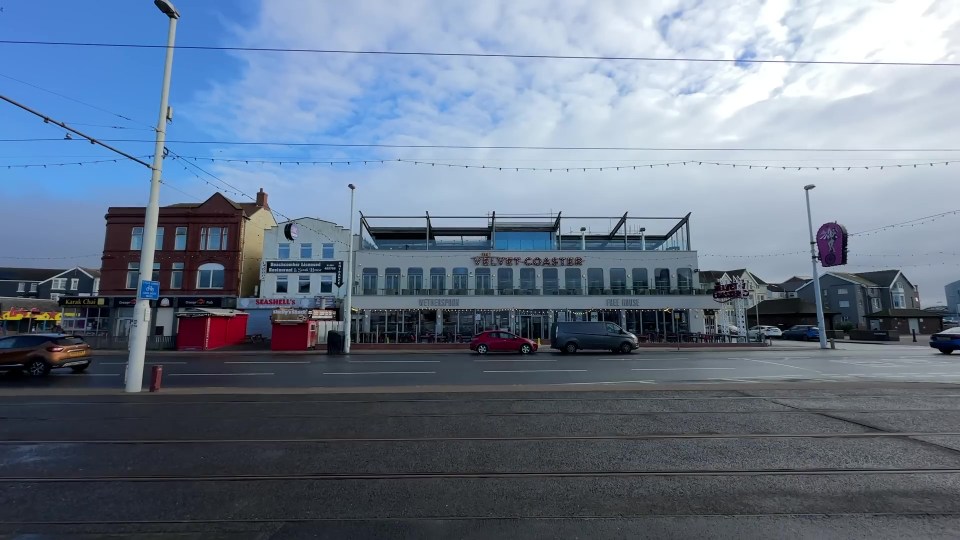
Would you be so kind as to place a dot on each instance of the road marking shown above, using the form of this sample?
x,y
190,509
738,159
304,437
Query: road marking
x,y
382,373
606,382
781,365
537,371
678,369
393,361
145,363
522,360
101,374
215,374
268,362
641,359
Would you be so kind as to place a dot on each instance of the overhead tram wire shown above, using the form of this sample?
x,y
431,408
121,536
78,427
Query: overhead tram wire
x,y
525,56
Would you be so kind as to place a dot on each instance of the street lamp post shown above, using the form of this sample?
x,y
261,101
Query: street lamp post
x,y
816,272
141,310
348,300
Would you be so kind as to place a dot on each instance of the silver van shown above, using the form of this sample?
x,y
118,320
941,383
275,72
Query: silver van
x,y
572,336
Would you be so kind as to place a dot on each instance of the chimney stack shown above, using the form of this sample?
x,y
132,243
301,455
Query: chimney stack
x,y
262,199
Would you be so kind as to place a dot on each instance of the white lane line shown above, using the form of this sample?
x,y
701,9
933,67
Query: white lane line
x,y
642,359
678,369
393,361
606,382
382,373
521,360
268,362
101,374
781,365
537,371
216,374
145,363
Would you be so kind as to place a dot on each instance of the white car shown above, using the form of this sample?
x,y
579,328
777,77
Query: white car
x,y
766,331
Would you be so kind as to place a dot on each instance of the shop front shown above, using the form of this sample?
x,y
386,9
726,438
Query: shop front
x,y
204,329
85,315
28,315
297,329
261,310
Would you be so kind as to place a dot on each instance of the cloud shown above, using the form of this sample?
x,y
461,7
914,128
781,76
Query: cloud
x,y
597,103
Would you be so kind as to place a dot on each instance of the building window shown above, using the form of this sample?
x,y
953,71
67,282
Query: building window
x,y
281,287
213,238
572,280
55,297
899,299
180,239
59,284
133,275
415,279
438,278
843,303
33,287
551,281
326,251
156,272
210,276
595,281
661,277
369,281
685,280
96,286
176,276
505,279
74,284
392,280
159,245
482,280
875,304
326,284
303,284
22,287
842,291
640,282
528,280
461,279
283,251
618,280
306,251
136,238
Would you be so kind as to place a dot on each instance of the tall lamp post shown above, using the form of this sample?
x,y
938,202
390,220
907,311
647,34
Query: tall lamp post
x,y
348,300
141,310
816,272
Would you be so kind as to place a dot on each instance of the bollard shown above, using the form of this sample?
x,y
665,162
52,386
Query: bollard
x,y
155,377
538,343
833,343
914,332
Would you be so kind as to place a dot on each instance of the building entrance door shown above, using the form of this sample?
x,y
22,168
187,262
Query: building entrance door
x,y
533,326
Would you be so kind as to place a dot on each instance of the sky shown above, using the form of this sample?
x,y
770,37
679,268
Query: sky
x,y
730,112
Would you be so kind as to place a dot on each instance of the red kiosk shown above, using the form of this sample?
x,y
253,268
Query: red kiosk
x,y
298,329
204,329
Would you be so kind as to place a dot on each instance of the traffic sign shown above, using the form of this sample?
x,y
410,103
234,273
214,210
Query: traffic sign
x,y
149,290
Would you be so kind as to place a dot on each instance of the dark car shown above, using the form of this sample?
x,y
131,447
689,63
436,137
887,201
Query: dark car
x,y
37,354
802,332
500,341
946,341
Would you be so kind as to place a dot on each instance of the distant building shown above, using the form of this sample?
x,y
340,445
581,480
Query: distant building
x,y
24,282
952,292
76,281
857,296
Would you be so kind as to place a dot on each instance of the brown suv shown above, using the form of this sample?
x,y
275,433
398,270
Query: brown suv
x,y
37,354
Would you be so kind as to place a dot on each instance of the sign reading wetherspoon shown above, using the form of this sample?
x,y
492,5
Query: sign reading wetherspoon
x,y
485,259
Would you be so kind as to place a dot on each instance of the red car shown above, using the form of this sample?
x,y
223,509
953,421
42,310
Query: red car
x,y
500,341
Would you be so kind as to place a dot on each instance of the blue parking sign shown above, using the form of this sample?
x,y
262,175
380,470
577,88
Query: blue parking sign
x,y
149,290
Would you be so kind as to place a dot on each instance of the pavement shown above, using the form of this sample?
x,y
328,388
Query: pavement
x,y
790,361
795,459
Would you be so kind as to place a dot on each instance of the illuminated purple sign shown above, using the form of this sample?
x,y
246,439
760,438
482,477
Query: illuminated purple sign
x,y
832,244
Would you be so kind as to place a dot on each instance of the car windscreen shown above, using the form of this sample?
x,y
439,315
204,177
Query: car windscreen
x,y
70,340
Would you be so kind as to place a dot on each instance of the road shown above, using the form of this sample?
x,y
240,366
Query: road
x,y
828,461
799,362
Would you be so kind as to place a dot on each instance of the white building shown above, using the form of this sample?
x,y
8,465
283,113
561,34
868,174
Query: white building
x,y
428,278
300,258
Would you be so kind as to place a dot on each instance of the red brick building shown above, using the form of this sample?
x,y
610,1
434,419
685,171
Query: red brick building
x,y
208,254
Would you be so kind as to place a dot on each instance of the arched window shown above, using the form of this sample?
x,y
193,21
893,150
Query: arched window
x,y
210,276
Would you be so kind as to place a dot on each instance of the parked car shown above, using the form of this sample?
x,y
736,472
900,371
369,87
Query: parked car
x,y
946,341
766,331
37,354
802,332
500,341
572,336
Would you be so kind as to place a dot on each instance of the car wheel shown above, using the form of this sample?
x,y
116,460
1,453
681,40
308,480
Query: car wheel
x,y
570,347
526,349
625,348
482,349
946,351
37,367
79,369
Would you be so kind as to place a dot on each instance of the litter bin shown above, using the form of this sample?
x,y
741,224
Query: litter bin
x,y
334,342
